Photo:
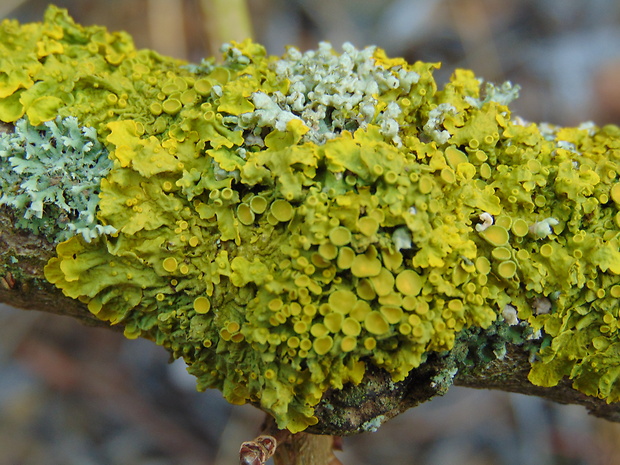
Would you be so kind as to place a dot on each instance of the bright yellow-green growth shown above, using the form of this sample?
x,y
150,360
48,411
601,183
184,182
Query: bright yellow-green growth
x,y
285,221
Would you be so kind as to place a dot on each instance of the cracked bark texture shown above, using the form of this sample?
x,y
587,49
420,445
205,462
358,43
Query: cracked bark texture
x,y
354,409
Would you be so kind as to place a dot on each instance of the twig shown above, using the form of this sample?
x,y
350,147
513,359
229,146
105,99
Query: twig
x,y
289,449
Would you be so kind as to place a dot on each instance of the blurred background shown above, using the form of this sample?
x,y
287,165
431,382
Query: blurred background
x,y
76,395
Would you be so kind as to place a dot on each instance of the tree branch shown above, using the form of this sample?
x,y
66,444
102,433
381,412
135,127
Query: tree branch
x,y
510,375
351,410
377,399
22,284
482,265
289,449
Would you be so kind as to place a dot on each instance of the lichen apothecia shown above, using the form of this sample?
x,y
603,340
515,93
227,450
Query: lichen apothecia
x,y
282,223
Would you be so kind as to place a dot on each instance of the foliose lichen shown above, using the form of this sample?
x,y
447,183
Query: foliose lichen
x,y
328,93
283,223
50,176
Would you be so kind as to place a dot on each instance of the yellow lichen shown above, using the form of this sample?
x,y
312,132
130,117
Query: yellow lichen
x,y
279,254
202,304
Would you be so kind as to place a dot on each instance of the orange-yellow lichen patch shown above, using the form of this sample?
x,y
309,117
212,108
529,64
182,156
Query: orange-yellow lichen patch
x,y
383,283
507,269
348,344
279,250
409,282
202,305
170,264
342,301
340,236
496,235
615,193
375,323
282,210
351,327
366,265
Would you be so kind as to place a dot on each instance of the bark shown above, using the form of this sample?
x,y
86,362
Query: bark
x,y
341,412
22,283
304,448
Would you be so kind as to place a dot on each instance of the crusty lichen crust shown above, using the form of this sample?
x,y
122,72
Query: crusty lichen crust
x,y
282,222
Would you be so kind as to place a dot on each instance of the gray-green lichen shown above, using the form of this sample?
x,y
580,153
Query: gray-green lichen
x,y
329,93
50,176
373,425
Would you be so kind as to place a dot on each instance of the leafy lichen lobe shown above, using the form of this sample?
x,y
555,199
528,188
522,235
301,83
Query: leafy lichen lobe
x,y
50,176
282,222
